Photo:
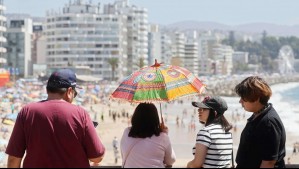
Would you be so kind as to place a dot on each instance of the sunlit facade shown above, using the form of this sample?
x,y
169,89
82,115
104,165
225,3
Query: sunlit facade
x,y
81,36
137,35
191,56
18,46
2,30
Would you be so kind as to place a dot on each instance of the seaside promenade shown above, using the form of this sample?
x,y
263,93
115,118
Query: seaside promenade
x,y
114,117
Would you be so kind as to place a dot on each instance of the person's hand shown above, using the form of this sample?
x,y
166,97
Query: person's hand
x,y
95,164
164,128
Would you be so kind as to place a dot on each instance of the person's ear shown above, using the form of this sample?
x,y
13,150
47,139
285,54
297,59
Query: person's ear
x,y
68,94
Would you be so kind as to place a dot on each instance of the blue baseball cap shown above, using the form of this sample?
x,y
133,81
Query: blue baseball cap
x,y
63,78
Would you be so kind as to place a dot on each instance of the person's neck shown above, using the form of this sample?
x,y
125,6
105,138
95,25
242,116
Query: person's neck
x,y
259,110
55,97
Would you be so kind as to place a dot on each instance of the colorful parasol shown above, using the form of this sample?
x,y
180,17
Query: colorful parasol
x,y
158,83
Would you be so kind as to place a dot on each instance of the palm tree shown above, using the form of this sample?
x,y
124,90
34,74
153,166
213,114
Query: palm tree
x,y
140,63
114,64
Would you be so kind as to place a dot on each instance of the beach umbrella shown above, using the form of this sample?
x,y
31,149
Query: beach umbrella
x,y
158,83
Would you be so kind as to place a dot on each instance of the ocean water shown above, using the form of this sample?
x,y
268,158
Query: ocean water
x,y
285,100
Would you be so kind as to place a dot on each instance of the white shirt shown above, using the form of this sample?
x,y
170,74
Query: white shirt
x,y
152,152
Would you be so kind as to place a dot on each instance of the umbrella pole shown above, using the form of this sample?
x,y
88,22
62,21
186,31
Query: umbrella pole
x,y
162,120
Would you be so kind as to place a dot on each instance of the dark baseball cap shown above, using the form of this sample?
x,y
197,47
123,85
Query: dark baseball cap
x,y
63,78
216,103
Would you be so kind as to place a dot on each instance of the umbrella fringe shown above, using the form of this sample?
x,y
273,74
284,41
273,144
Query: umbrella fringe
x,y
154,100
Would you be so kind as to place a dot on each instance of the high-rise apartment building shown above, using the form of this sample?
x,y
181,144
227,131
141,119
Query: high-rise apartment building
x,y
18,46
2,30
137,35
178,48
154,45
206,42
82,36
223,55
191,56
166,53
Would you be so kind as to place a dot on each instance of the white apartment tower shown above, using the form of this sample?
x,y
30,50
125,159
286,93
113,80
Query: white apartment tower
x,y
206,42
2,30
154,45
18,47
137,35
166,53
178,48
82,36
223,55
191,56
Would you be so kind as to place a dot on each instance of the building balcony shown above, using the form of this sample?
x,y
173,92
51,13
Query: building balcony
x,y
2,7
2,50
3,18
3,39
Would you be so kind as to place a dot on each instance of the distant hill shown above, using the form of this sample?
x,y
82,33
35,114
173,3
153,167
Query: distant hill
x,y
272,29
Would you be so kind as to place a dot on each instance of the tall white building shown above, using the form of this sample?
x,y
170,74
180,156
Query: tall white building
x,y
137,35
18,54
166,53
191,56
2,30
154,45
178,48
205,44
240,57
37,34
223,55
82,36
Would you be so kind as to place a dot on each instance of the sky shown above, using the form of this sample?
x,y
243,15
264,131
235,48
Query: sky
x,y
164,12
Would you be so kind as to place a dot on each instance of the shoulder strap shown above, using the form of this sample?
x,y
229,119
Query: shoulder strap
x,y
125,159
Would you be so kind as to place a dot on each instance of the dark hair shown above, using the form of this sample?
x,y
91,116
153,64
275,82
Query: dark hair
x,y
145,121
60,91
214,118
253,88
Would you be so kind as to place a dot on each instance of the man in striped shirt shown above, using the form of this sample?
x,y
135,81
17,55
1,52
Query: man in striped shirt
x,y
213,147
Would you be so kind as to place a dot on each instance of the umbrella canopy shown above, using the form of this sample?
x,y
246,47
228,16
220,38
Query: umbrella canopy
x,y
158,83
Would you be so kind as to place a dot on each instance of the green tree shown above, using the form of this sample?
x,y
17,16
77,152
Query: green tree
x,y
113,62
140,62
232,39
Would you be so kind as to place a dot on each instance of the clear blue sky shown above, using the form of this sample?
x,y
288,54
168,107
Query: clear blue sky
x,y
231,12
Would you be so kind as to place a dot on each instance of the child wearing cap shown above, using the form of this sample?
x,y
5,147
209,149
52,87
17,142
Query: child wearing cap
x,y
214,142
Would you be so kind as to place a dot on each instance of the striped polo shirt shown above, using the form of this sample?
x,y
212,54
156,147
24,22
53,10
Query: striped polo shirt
x,y
219,143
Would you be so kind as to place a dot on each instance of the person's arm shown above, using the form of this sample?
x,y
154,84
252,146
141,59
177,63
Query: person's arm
x,y
270,145
97,160
94,148
268,164
14,162
199,157
170,156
